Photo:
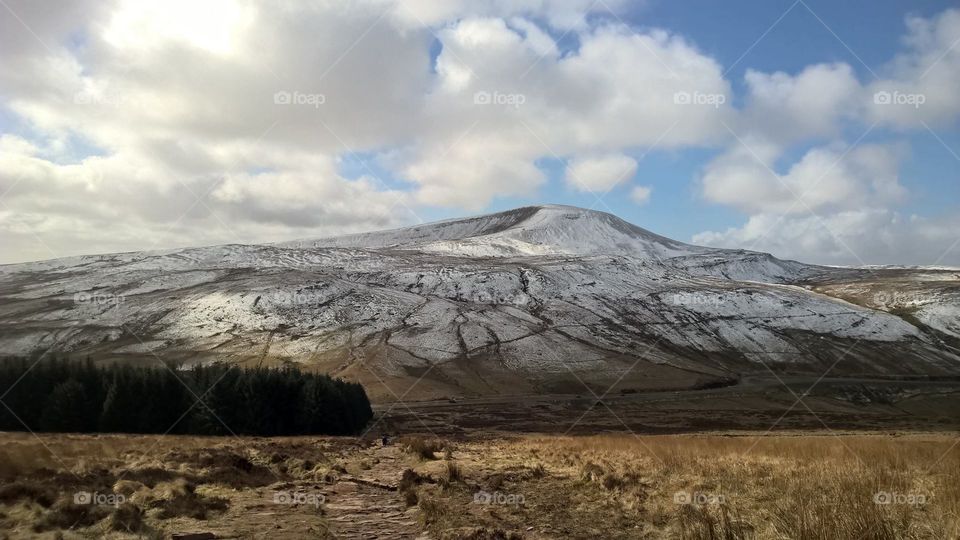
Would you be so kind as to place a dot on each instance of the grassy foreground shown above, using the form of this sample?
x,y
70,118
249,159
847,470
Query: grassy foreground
x,y
797,485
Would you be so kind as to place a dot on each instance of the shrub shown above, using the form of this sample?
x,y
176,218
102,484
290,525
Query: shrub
x,y
454,472
423,448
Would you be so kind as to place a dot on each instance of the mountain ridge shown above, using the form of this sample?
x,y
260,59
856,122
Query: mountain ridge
x,y
532,300
518,231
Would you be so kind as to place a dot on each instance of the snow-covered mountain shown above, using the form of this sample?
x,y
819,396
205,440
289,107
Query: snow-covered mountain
x,y
538,299
532,230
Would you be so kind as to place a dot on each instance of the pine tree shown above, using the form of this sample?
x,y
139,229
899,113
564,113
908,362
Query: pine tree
x,y
66,408
62,395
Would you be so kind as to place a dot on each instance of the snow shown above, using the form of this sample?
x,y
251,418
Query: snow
x,y
529,231
943,317
541,289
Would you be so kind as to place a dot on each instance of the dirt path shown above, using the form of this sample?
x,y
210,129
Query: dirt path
x,y
367,506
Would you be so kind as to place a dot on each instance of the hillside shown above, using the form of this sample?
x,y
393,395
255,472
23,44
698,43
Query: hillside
x,y
536,300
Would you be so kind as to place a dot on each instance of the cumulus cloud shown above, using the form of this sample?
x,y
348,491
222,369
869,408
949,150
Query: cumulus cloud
x,y
504,98
921,84
812,103
824,179
561,14
473,170
641,194
852,237
233,93
127,202
600,174
837,202
229,121
148,111
834,205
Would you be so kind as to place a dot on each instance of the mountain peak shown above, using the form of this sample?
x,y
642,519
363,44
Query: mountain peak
x,y
546,229
568,207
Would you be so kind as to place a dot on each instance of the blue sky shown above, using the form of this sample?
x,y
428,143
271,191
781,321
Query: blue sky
x,y
129,125
726,31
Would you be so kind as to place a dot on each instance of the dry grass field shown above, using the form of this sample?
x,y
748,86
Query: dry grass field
x,y
725,485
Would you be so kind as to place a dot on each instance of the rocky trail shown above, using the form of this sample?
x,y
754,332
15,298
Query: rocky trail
x,y
368,506
364,505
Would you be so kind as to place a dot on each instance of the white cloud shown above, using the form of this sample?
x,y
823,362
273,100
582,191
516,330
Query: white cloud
x,y
641,194
835,205
125,202
200,89
599,174
499,104
824,179
813,103
922,82
621,89
473,170
565,15
180,105
126,112
212,25
852,237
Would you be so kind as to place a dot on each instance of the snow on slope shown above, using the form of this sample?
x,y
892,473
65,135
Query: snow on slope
x,y
536,291
532,230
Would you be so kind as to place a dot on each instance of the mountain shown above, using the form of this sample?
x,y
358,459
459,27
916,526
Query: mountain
x,y
540,299
532,230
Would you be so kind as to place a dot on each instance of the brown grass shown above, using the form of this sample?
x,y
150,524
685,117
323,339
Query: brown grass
x,y
454,472
720,486
424,448
167,484
710,486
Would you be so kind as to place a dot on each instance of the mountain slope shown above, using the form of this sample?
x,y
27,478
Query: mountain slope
x,y
534,300
531,230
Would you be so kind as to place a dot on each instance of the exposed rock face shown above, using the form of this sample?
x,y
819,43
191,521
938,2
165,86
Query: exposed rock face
x,y
532,300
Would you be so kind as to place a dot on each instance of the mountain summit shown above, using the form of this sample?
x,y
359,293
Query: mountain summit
x,y
530,230
540,299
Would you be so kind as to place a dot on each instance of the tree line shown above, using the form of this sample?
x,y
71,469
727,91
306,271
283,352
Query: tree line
x,y
62,395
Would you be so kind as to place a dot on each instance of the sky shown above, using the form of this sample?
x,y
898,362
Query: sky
x,y
826,132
